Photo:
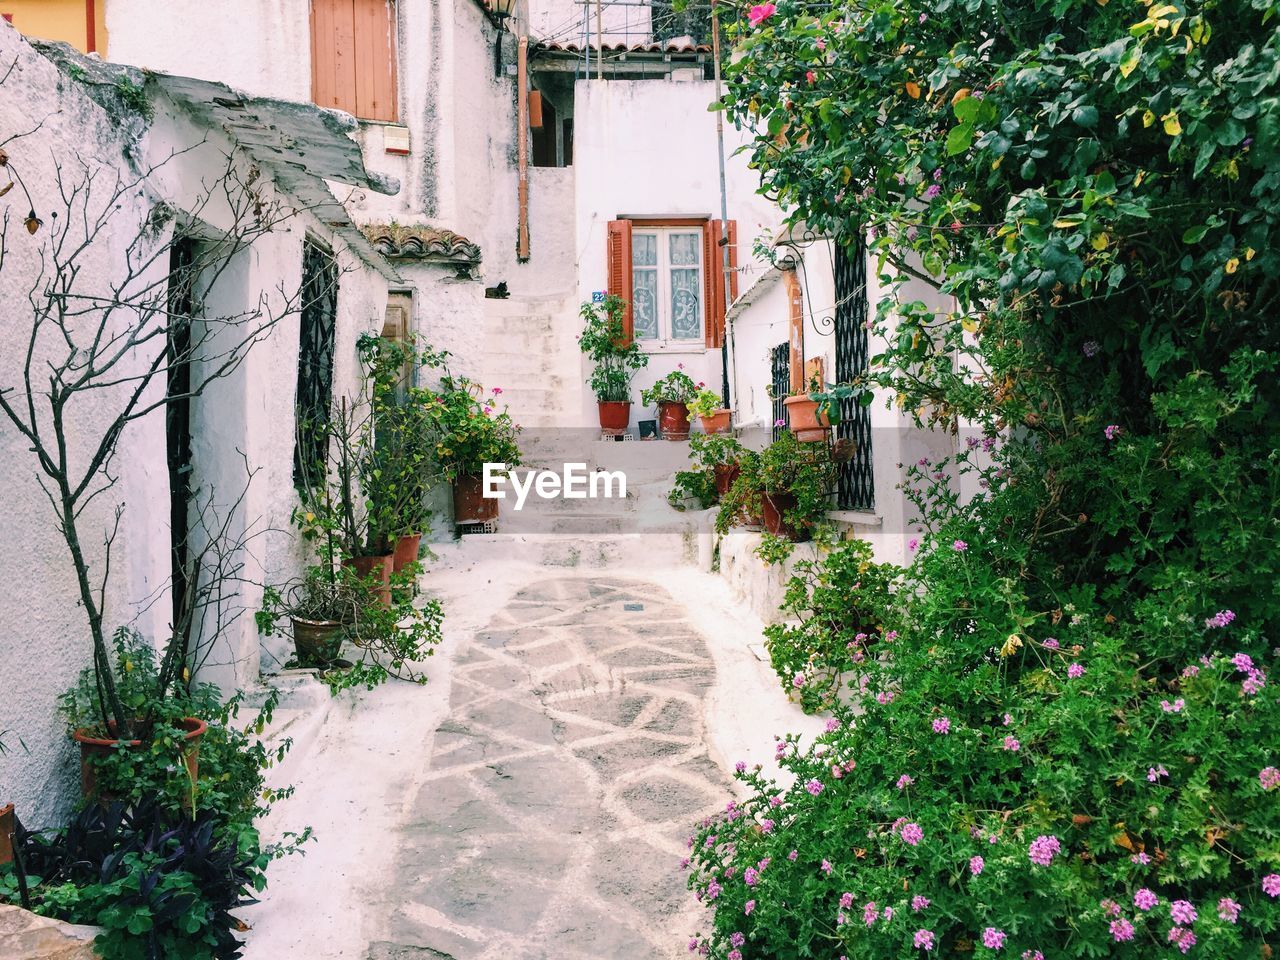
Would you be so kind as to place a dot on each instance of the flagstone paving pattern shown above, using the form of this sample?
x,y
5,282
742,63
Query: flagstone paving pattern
x,y
563,785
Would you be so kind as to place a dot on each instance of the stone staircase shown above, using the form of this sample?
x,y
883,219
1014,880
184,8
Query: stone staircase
x,y
528,352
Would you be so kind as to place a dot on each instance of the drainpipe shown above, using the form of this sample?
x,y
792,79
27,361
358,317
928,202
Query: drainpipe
x,y
91,26
724,209
522,148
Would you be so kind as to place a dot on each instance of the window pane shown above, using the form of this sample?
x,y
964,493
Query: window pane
x,y
684,248
644,249
644,303
686,300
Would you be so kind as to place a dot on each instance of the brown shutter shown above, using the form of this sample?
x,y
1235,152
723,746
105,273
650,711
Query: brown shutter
x,y
714,261
619,262
353,57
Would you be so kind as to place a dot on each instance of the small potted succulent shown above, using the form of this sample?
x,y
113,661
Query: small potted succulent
x,y
795,484
807,417
672,394
322,608
705,405
615,358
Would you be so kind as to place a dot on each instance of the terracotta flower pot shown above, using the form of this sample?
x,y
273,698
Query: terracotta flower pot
x,y
673,420
406,551
6,834
316,641
725,474
718,422
469,503
91,747
773,509
805,421
615,415
379,569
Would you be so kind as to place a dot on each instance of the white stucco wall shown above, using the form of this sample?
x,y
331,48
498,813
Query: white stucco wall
x,y
46,641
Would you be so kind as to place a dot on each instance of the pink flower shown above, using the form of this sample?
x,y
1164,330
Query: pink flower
x,y
751,877
905,781
1144,899
912,834
779,423
992,938
1112,431
1155,773
919,903
825,866
1032,955
497,391
913,543
1008,719
1243,662
1075,671
1121,930
1043,849
1181,938
737,938
923,939
1269,777
748,907
760,13
1220,619
792,855
1271,885
932,191
814,787
1182,912
1228,910
1141,858
810,76
976,865
955,226
1110,908
885,697
766,826
846,900
1051,643
869,913
1175,707
942,725
959,546
1012,745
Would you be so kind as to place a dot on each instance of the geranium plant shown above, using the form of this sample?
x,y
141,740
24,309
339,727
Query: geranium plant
x,y
676,387
470,428
705,403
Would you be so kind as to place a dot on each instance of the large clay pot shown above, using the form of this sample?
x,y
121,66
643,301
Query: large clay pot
x,y
6,834
406,551
718,422
673,420
805,421
615,415
773,510
316,642
91,746
469,505
376,568
725,474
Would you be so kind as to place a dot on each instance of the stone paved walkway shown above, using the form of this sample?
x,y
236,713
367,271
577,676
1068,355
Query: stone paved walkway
x,y
562,785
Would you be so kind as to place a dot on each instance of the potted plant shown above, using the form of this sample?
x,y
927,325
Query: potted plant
x,y
795,485
7,819
470,432
721,454
807,415
705,405
153,719
615,358
672,395
741,504
321,608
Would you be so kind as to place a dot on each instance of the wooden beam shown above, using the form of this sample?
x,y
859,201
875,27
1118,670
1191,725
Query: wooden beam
x,y
522,149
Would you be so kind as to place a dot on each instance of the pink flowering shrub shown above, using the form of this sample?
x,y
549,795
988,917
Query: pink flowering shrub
x,y
834,609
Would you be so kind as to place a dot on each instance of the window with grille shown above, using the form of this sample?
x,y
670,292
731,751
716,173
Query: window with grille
x,y
855,487
315,363
780,368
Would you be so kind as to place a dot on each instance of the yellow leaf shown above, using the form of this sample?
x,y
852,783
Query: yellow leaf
x,y
1066,223
1011,645
970,325
1249,253
995,165
1100,241
1148,118
1233,265
1171,125
913,90
1139,177
1131,60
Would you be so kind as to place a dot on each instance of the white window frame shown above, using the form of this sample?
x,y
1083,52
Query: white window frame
x,y
665,343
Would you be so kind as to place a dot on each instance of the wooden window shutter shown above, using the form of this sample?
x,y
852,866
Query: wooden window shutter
x,y
713,258
353,57
619,263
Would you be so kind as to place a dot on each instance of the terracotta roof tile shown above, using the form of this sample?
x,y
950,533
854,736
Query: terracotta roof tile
x,y
420,242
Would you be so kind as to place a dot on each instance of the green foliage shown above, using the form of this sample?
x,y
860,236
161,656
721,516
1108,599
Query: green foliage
x,y
741,505
803,471
705,403
614,355
706,451
471,430
834,606
715,449
698,484
1072,680
676,387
